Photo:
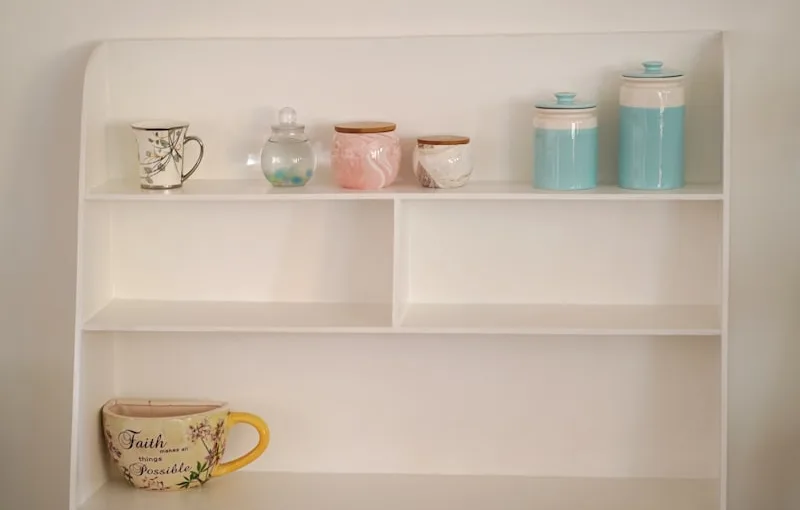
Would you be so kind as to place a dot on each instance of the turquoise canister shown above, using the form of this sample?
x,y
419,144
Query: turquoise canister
x,y
565,144
651,128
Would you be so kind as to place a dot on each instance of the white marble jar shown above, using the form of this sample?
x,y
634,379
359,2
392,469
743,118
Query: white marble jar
x,y
442,161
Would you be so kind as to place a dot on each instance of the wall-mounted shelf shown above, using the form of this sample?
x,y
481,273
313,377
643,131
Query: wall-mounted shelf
x,y
575,341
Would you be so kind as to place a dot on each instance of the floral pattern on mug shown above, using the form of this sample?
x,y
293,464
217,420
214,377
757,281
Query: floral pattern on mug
x,y
214,443
116,454
165,147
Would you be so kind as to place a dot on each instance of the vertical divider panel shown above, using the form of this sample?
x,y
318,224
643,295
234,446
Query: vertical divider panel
x,y
400,264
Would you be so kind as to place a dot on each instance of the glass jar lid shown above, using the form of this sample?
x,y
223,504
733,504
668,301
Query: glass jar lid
x,y
653,69
287,128
443,140
287,120
365,127
565,101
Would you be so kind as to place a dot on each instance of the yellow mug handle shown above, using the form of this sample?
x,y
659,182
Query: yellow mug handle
x,y
263,442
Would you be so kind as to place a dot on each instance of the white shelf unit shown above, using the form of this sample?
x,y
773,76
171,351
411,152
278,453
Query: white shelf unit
x,y
491,345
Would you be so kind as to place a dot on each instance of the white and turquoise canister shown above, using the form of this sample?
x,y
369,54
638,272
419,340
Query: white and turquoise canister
x,y
651,139
565,146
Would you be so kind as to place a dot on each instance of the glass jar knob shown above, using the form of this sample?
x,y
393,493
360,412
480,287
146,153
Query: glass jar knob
x,y
287,116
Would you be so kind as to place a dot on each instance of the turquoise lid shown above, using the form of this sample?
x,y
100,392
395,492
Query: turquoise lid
x,y
565,101
652,69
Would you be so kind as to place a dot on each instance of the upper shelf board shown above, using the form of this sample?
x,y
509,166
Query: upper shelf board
x,y
257,190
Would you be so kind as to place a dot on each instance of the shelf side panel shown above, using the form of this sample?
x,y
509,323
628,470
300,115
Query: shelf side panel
x,y
97,385
483,92
500,405
96,286
725,262
94,120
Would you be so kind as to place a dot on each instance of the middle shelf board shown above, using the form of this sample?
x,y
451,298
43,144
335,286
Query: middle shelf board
x,y
221,190
129,315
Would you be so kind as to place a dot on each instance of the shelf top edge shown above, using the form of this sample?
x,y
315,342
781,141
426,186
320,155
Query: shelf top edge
x,y
411,330
710,31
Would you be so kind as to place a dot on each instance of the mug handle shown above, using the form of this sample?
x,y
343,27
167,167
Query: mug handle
x,y
263,442
199,158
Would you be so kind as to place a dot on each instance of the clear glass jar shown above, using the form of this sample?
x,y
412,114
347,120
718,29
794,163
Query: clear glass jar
x,y
442,161
365,155
287,158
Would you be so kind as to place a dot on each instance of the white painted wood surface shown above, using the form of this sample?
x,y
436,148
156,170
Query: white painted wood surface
x,y
563,253
613,406
252,491
136,315
230,289
563,319
254,317
227,190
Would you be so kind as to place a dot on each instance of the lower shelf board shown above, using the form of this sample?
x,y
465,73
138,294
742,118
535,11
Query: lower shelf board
x,y
282,491
131,315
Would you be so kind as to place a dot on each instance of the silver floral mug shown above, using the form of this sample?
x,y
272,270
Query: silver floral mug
x,y
168,445
160,144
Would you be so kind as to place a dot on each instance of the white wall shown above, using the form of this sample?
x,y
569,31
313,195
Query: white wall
x,y
43,49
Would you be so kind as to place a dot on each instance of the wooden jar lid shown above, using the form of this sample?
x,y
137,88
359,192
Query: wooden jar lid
x,y
365,127
443,140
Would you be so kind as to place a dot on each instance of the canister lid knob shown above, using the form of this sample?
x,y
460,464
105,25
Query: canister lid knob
x,y
565,101
652,66
653,69
565,98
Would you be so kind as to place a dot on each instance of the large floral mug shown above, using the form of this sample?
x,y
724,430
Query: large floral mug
x,y
174,445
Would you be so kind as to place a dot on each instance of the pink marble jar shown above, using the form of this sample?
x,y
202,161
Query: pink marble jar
x,y
365,155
